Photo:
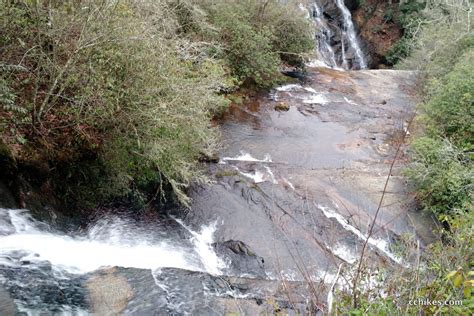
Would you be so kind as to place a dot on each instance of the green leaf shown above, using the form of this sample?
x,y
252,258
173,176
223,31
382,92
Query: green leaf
x,y
467,292
458,280
451,274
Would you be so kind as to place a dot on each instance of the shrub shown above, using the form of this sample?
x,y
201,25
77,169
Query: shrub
x,y
451,102
108,82
442,177
442,159
257,37
116,95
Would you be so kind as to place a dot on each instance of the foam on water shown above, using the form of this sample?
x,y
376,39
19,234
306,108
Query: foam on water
x,y
343,251
380,244
104,245
289,87
257,176
315,99
202,242
244,156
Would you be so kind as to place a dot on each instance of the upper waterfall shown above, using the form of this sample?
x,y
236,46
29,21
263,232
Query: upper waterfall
x,y
338,42
350,34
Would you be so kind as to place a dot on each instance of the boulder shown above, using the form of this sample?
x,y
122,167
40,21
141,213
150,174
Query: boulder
x,y
282,106
241,259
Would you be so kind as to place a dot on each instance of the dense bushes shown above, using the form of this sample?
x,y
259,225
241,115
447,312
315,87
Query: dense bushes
x,y
409,17
442,167
442,159
107,81
258,36
110,96
442,176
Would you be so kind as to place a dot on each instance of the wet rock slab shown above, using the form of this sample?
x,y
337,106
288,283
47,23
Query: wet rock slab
x,y
180,292
300,187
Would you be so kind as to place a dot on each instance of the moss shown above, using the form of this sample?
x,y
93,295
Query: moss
x,y
226,173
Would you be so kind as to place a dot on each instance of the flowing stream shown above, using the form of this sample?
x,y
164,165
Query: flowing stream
x,y
107,243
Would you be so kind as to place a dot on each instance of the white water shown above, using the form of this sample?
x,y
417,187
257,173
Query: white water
x,y
380,244
106,244
202,242
244,156
315,99
350,33
289,87
324,37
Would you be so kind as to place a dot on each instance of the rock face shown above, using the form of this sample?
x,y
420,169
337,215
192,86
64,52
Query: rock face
x,y
300,187
241,259
109,293
378,29
7,200
7,306
351,4
179,292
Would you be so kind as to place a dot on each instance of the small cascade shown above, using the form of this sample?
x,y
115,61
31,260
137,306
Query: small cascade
x,y
351,35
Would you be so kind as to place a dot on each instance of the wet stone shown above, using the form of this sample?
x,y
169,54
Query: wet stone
x,y
241,259
282,106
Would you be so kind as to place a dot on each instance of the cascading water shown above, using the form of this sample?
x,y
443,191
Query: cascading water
x,y
324,37
110,242
32,251
334,42
350,34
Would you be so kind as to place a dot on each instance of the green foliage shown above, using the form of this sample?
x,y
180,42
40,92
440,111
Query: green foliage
x,y
109,82
450,104
408,16
119,95
409,11
249,52
400,50
442,169
438,37
442,177
360,3
257,37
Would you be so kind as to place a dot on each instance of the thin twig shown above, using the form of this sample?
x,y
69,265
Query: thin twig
x,y
372,225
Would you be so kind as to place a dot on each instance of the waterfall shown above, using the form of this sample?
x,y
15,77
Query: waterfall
x,y
343,54
324,37
327,31
350,34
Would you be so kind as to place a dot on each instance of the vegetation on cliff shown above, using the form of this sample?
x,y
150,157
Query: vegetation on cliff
x,y
388,28
106,98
